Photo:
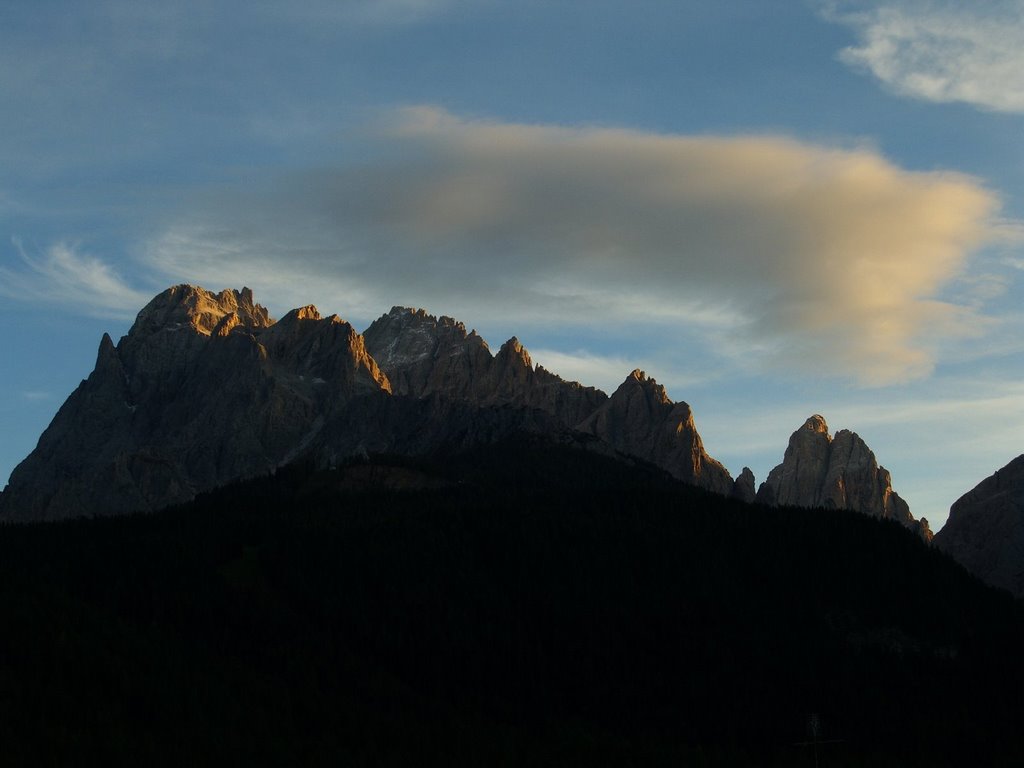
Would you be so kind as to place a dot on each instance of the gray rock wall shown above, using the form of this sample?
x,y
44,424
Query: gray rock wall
x,y
819,470
985,530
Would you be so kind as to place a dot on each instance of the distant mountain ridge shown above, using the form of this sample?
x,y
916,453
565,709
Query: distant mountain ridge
x,y
206,389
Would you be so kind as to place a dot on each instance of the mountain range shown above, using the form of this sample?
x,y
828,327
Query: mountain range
x,y
398,548
206,389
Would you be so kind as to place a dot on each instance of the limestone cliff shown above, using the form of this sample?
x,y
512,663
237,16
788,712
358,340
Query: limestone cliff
x,y
639,419
426,356
985,530
423,355
206,389
819,470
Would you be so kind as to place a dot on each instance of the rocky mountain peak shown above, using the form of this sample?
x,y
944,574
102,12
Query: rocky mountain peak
x,y
839,472
423,355
308,312
302,319
108,363
106,349
409,317
639,381
205,389
514,350
191,307
639,419
414,315
426,356
816,424
321,349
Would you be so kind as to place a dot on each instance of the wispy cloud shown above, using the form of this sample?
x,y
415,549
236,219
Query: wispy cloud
x,y
62,275
796,256
36,395
941,50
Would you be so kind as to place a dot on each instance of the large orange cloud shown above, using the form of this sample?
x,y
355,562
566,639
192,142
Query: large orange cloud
x,y
802,256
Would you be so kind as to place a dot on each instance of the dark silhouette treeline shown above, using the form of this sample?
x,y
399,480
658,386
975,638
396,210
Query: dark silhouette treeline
x,y
523,604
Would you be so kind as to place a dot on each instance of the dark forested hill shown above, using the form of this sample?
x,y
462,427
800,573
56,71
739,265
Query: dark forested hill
x,y
524,604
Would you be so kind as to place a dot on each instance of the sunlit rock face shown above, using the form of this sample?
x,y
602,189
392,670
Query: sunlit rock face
x,y
426,356
819,470
639,419
985,529
206,389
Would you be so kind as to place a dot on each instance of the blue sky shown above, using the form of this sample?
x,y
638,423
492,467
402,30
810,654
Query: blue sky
x,y
774,208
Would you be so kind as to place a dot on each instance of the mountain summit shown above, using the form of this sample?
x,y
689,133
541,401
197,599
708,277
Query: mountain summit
x,y
840,472
206,389
426,356
640,419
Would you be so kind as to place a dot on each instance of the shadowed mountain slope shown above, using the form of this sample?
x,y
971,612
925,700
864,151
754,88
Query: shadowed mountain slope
x,y
985,530
522,603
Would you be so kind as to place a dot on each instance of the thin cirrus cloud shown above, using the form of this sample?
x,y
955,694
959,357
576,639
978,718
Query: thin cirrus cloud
x,y
36,395
941,51
781,253
65,276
